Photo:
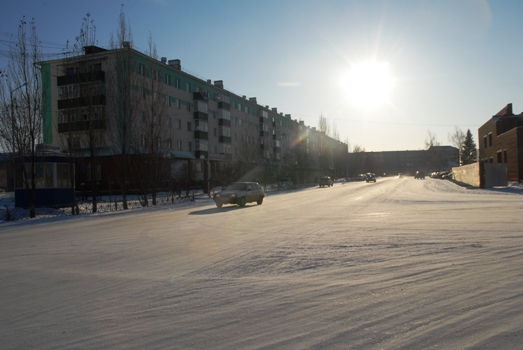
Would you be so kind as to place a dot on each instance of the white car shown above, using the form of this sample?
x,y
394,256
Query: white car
x,y
240,193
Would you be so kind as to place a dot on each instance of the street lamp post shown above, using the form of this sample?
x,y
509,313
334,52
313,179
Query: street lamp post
x,y
13,116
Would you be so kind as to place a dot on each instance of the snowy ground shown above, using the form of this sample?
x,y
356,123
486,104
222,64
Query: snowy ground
x,y
402,263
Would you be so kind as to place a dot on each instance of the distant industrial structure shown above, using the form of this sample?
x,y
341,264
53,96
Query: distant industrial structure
x,y
436,158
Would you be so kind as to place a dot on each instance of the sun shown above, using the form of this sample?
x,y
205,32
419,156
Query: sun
x,y
368,84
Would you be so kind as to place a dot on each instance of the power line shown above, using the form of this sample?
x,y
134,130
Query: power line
x,y
383,122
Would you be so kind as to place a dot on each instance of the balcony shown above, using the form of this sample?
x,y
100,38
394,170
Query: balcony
x,y
200,96
200,116
264,120
84,125
264,133
202,135
224,122
80,78
86,101
224,105
225,139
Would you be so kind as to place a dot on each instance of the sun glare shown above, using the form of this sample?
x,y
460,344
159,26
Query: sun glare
x,y
367,85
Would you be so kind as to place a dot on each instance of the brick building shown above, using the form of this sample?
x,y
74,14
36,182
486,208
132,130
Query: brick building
x,y
501,141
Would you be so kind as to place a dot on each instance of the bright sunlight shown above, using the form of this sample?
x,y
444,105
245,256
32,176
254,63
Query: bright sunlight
x,y
368,84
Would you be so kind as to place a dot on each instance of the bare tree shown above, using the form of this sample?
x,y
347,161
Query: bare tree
x,y
323,125
84,112
21,120
154,119
335,134
457,139
431,140
124,102
250,156
357,148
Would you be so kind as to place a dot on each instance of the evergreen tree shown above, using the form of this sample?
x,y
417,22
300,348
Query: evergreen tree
x,y
469,153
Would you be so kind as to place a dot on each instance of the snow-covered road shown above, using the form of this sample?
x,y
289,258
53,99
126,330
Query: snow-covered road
x,y
396,264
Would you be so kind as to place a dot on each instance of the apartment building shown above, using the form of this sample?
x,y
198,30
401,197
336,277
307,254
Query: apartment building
x,y
501,141
107,104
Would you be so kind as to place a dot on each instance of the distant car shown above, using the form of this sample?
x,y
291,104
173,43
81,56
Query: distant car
x,y
361,177
400,175
240,193
325,181
419,175
370,177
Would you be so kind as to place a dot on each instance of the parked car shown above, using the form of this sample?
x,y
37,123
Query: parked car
x,y
419,175
370,177
240,193
325,181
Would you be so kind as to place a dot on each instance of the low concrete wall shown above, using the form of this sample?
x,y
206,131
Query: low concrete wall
x,y
468,174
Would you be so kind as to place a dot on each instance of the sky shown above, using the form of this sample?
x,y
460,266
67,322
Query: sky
x,y
383,73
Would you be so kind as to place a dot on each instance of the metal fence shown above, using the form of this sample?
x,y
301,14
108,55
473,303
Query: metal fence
x,y
8,213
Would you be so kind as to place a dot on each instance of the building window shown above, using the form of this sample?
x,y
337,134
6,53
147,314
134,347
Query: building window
x,y
177,102
189,144
187,87
505,156
201,107
201,126
156,74
500,157
141,69
485,141
97,171
179,124
168,79
189,126
71,71
179,145
215,131
201,145
225,131
170,122
188,106
490,139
